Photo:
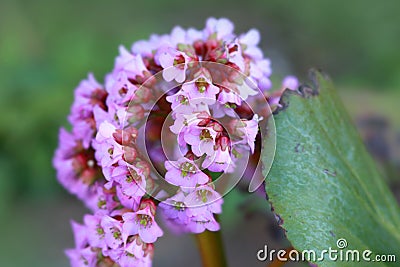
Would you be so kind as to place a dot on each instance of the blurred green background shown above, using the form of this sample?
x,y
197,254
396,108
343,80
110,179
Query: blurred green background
x,y
47,47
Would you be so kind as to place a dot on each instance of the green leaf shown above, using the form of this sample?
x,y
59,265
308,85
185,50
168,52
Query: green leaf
x,y
323,184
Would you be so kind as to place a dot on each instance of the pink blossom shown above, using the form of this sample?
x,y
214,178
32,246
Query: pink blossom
x,y
175,209
201,139
260,70
202,222
141,223
130,202
201,90
84,257
204,199
120,88
245,90
112,232
193,212
235,55
290,82
183,120
95,231
221,160
108,151
249,130
133,255
250,42
181,102
147,47
185,173
227,101
193,35
178,36
131,179
223,28
88,95
229,96
82,254
75,166
80,234
129,63
174,63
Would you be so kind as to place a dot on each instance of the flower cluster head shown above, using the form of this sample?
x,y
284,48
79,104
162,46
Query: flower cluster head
x,y
202,82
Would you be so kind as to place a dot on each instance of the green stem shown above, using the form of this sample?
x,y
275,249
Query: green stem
x,y
211,249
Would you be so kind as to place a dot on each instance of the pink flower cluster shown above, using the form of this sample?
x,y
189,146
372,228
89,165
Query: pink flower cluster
x,y
101,162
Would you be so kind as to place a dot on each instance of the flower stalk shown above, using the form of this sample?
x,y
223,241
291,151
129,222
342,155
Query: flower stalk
x,y
211,249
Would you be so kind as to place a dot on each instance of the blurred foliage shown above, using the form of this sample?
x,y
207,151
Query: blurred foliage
x,y
47,47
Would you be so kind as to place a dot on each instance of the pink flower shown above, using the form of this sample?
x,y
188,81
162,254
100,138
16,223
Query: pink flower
x,y
181,102
82,257
134,255
112,232
130,178
105,201
229,96
101,115
141,223
129,202
95,231
108,151
193,212
80,234
247,89
204,199
249,130
88,95
175,209
185,173
174,63
290,82
223,28
120,88
235,55
201,139
201,205
260,70
221,160
183,120
82,254
250,42
201,90
129,63
226,103
180,36
202,222
147,47
76,167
